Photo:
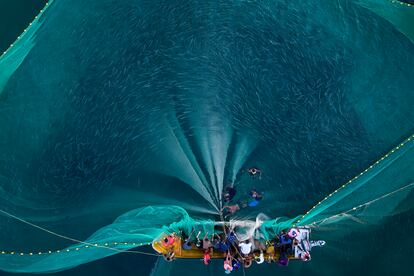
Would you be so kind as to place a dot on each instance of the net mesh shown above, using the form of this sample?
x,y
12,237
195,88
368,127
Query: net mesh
x,y
105,114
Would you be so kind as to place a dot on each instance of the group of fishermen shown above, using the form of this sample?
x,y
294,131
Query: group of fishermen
x,y
242,253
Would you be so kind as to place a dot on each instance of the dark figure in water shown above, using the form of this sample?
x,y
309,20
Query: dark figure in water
x,y
255,172
229,193
255,198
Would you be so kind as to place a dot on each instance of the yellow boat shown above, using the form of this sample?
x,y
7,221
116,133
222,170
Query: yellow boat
x,y
195,253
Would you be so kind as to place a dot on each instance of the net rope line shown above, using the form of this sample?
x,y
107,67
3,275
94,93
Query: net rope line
x,y
396,148
87,244
37,17
401,2
363,204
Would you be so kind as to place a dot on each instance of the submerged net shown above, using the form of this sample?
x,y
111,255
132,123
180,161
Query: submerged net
x,y
133,229
107,107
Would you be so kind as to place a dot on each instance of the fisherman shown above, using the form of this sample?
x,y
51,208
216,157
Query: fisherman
x,y
255,198
236,264
255,172
229,193
246,247
231,209
232,238
207,256
168,241
216,241
247,262
223,246
260,259
305,256
169,256
270,250
199,243
294,233
283,259
206,242
187,242
284,240
228,267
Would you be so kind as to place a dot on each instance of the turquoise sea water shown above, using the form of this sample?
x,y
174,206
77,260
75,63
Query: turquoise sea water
x,y
116,105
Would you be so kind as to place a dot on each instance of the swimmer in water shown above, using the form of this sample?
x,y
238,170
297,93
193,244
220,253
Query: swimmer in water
x,y
255,172
229,193
231,209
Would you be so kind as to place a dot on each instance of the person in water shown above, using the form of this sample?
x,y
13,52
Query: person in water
x,y
255,198
231,209
255,172
229,193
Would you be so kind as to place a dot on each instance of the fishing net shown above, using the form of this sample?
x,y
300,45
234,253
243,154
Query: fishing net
x,y
106,107
133,229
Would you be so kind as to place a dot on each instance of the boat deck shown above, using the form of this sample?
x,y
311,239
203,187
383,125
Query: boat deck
x,y
196,253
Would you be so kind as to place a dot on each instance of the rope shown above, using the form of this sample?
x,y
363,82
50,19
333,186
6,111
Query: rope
x,y
364,204
76,240
396,148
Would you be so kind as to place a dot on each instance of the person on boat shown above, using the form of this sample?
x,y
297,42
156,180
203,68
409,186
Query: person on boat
x,y
255,172
255,198
259,242
247,262
216,241
223,246
206,242
270,250
187,242
207,256
305,256
260,259
170,256
236,264
283,259
245,247
228,267
294,233
295,242
168,241
199,243
284,240
229,193
232,238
